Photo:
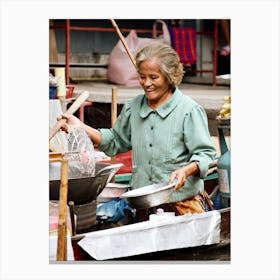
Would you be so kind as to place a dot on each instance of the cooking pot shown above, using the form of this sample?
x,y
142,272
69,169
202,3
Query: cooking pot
x,y
85,189
149,196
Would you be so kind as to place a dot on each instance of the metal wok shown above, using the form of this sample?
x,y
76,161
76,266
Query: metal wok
x,y
85,189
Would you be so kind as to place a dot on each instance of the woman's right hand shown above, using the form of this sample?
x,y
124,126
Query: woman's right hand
x,y
71,122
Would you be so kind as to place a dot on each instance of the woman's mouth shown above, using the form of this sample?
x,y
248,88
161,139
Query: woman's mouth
x,y
149,90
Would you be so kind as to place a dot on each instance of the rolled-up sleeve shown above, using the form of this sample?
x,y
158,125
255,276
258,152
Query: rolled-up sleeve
x,y
198,140
117,139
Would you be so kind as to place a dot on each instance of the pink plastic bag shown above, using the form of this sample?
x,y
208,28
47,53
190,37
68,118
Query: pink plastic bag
x,y
121,69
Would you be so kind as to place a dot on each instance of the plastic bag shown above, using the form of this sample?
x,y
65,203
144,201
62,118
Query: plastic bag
x,y
120,69
113,210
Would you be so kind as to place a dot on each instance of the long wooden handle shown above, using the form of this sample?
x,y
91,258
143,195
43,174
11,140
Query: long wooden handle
x,y
123,42
72,109
114,106
61,254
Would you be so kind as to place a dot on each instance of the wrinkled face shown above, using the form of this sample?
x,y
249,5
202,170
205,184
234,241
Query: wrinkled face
x,y
155,85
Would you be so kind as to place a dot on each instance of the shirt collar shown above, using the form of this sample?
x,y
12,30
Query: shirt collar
x,y
164,110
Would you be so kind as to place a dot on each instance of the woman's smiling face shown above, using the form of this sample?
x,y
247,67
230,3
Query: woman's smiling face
x,y
154,83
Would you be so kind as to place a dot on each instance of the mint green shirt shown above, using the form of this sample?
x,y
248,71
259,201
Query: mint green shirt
x,y
162,140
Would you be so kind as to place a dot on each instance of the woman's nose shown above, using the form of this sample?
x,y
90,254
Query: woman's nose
x,y
147,82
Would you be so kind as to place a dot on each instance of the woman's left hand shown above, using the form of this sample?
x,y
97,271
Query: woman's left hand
x,y
182,173
180,176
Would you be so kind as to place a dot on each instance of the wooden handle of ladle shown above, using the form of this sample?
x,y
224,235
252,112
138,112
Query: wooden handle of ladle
x,y
123,42
72,109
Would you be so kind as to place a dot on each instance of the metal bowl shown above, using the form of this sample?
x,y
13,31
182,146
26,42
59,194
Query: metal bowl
x,y
149,196
85,189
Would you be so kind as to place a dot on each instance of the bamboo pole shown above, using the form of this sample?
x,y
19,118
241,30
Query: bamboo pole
x,y
123,42
62,219
114,107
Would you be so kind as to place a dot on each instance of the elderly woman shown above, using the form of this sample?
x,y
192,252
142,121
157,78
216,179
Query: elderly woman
x,y
166,130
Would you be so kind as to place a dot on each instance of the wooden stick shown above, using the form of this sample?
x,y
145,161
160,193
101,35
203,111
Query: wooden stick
x,y
62,219
73,108
123,42
114,106
113,113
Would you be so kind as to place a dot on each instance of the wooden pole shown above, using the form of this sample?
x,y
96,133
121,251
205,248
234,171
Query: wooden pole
x,y
123,42
114,107
62,219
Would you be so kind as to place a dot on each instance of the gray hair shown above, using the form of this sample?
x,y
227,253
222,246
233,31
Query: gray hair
x,y
168,61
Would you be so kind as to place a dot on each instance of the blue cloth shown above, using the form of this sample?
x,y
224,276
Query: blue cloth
x,y
113,210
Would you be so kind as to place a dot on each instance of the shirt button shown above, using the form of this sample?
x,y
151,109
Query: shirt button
x,y
152,127
149,162
151,145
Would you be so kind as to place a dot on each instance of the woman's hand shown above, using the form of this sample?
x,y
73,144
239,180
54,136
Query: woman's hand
x,y
71,122
182,173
